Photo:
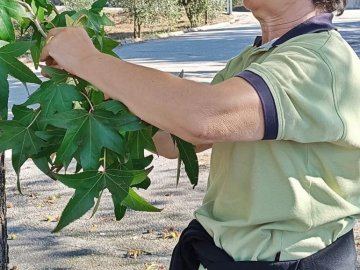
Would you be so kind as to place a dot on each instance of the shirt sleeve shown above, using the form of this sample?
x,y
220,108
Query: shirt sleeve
x,y
220,76
295,86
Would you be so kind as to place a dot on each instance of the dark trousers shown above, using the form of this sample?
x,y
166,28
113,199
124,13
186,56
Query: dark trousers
x,y
197,246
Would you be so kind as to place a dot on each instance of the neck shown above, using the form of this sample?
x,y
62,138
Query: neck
x,y
274,26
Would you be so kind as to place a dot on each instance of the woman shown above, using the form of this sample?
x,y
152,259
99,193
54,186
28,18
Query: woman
x,y
282,119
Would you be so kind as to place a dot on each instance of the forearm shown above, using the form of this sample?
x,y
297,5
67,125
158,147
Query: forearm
x,y
161,99
198,113
165,146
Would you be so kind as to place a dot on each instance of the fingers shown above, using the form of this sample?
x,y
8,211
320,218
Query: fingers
x,y
53,33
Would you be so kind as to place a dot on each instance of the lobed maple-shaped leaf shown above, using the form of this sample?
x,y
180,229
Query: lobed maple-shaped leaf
x,y
57,75
9,62
10,65
17,69
54,97
90,184
139,141
22,140
89,133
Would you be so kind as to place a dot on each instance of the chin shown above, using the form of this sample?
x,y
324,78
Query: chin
x,y
252,4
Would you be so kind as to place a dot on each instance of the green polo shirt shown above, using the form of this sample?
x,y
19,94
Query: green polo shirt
x,y
298,190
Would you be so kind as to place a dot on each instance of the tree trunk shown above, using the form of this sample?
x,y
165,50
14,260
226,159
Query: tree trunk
x,y
139,30
4,258
135,26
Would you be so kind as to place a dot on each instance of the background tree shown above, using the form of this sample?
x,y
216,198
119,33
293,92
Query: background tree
x,y
78,4
199,11
168,11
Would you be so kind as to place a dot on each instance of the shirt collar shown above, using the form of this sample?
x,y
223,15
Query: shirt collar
x,y
316,24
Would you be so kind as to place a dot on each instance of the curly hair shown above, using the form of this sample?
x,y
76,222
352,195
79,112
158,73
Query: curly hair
x,y
331,5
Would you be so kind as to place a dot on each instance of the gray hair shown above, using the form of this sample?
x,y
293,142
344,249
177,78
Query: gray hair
x,y
331,5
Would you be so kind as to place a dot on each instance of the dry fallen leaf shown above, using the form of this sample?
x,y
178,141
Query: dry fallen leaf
x,y
50,218
170,233
9,205
93,228
12,236
51,199
33,195
134,253
154,266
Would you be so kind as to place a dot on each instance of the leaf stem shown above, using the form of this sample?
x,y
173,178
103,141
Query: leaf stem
x,y
57,12
34,18
104,160
87,98
33,121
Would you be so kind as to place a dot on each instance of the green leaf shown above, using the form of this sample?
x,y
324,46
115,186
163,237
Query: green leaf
x,y
96,96
106,45
189,158
113,106
39,44
60,19
54,97
178,170
119,209
21,139
137,203
43,165
89,133
18,70
4,93
16,49
10,9
57,75
23,114
47,5
143,185
7,31
139,141
81,202
98,6
139,164
89,185
93,22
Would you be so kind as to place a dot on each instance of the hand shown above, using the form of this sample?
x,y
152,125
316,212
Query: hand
x,y
68,48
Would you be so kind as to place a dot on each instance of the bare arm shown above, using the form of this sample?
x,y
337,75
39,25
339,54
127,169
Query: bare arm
x,y
199,113
165,146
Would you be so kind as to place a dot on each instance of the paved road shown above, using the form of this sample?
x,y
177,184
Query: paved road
x,y
101,243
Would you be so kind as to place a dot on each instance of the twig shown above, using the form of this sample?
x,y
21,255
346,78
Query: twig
x,y
56,10
34,18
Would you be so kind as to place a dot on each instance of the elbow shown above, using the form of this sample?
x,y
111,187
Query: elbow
x,y
198,134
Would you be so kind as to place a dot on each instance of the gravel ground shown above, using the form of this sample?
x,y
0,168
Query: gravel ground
x,y
141,241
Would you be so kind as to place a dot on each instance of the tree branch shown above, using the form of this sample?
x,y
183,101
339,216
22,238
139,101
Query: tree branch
x,y
34,18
